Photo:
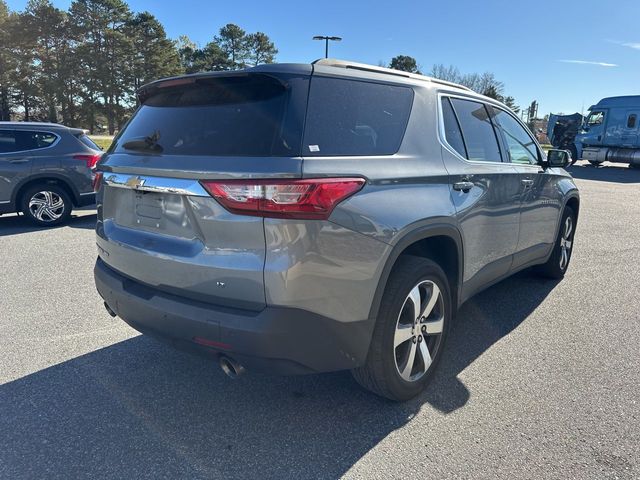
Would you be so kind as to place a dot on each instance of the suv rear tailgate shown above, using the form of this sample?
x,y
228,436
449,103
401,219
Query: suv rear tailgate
x,y
156,223
180,240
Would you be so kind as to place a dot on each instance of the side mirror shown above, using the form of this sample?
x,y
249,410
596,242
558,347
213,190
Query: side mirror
x,y
558,158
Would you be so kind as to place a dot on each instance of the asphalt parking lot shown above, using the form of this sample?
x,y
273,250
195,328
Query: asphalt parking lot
x,y
540,379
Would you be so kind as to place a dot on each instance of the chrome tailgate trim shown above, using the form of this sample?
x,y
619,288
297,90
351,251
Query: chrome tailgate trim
x,y
146,183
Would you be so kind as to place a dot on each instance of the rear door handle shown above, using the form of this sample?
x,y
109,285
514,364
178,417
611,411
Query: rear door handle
x,y
527,182
463,186
18,160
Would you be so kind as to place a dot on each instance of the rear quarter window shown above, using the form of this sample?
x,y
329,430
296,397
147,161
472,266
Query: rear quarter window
x,y
87,142
349,117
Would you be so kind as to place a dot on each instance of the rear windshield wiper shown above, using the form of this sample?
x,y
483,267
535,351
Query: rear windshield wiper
x,y
145,144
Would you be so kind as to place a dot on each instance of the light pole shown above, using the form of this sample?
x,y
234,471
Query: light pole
x,y
326,42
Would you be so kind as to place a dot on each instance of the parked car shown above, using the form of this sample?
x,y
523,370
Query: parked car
x,y
45,170
313,218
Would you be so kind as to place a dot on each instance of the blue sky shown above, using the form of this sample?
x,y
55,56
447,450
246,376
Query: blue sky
x,y
537,48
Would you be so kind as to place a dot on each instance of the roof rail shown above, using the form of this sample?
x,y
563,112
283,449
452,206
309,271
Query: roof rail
x,y
332,62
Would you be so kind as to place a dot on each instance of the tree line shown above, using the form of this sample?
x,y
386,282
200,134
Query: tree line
x,y
484,83
81,67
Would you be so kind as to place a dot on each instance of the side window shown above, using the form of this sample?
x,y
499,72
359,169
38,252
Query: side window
x,y
7,141
522,148
28,140
632,120
452,132
477,130
348,117
595,118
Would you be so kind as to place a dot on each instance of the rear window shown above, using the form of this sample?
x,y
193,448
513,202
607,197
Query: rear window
x,y
349,117
244,115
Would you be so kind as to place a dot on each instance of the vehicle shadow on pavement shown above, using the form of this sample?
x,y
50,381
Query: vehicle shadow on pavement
x,y
617,173
139,409
17,224
481,322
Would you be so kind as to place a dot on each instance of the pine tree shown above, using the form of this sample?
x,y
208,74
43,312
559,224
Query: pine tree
x,y
232,40
105,52
154,55
5,64
22,75
404,63
260,49
52,52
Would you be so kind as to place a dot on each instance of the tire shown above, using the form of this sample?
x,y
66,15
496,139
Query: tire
x,y
386,359
574,154
46,205
558,262
594,163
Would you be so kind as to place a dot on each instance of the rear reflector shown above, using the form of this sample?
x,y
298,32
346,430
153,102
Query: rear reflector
x,y
211,343
90,160
303,199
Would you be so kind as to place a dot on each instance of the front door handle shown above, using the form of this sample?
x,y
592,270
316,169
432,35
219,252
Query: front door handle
x,y
463,186
527,182
18,160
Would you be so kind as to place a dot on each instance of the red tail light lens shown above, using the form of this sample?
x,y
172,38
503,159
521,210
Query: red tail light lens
x,y
91,160
97,180
304,199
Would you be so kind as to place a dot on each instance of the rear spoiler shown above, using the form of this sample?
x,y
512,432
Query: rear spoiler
x,y
150,89
78,131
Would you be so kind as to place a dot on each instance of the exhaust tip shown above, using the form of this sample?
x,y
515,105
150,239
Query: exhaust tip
x,y
110,310
231,368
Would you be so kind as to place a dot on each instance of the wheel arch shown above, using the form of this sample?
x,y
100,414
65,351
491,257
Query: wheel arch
x,y
571,200
441,243
46,179
574,202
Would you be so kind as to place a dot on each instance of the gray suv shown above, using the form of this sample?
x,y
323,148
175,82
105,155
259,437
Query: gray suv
x,y
45,170
313,218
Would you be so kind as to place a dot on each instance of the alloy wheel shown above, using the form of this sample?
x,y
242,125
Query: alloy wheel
x,y
46,206
418,330
566,243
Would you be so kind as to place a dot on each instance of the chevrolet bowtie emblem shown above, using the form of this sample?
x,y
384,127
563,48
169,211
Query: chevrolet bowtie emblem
x,y
135,182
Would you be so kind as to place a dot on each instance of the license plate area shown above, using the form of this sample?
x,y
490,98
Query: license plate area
x,y
149,208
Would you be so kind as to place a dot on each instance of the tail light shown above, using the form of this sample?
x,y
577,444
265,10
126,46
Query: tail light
x,y
303,199
91,160
97,180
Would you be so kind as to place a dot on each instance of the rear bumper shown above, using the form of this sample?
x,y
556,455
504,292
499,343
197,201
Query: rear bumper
x,y
85,199
277,340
